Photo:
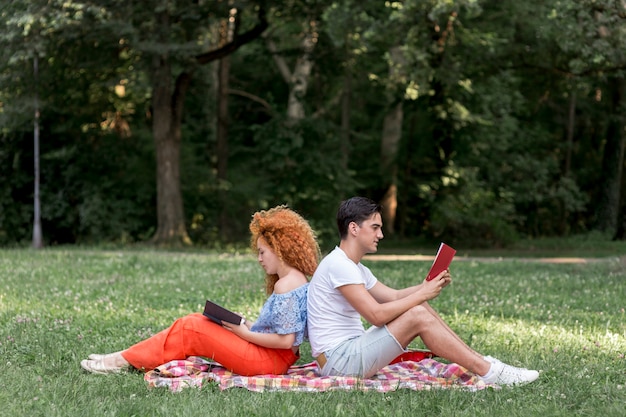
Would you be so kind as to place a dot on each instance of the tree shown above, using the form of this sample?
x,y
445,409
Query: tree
x,y
391,135
475,119
168,94
423,68
297,79
613,159
591,34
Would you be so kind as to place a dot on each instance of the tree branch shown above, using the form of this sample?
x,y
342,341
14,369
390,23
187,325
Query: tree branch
x,y
254,98
183,80
279,60
237,42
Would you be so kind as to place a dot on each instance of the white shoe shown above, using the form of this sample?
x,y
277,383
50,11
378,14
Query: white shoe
x,y
99,367
96,357
504,374
101,356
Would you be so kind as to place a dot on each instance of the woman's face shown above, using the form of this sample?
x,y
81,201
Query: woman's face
x,y
266,257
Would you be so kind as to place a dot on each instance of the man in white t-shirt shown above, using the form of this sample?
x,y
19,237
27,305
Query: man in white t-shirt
x,y
343,291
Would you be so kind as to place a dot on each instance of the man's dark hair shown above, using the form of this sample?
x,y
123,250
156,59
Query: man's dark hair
x,y
355,209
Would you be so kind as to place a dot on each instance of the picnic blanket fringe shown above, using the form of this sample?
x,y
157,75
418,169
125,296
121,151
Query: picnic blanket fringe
x,y
426,374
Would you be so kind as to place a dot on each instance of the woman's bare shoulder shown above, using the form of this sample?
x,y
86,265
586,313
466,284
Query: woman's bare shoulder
x,y
290,282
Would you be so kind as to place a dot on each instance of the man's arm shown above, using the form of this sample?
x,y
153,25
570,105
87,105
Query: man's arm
x,y
379,306
383,293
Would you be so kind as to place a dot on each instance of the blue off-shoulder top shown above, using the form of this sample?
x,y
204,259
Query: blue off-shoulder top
x,y
284,314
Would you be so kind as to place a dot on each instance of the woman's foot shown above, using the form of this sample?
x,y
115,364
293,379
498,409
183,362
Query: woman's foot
x,y
112,363
96,356
100,356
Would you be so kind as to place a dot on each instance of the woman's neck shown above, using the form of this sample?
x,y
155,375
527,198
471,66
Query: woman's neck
x,y
289,271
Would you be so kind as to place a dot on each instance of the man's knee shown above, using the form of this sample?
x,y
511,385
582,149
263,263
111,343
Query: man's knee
x,y
411,324
419,316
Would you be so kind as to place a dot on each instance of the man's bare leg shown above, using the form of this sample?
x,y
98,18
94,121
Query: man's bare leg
x,y
452,332
438,338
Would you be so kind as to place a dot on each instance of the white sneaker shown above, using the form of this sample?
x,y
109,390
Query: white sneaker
x,y
504,374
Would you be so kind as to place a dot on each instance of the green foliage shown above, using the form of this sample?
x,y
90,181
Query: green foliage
x,y
470,214
14,216
486,88
517,157
301,169
101,198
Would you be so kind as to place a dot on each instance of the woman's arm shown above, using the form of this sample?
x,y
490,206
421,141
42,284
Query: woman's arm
x,y
270,340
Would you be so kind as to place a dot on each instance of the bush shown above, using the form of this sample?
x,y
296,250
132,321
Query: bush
x,y
474,215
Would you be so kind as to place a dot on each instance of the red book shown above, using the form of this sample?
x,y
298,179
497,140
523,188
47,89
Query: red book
x,y
442,261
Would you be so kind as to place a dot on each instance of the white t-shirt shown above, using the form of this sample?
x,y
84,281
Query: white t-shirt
x,y
330,318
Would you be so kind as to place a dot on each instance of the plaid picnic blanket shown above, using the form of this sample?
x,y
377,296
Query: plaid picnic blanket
x,y
423,375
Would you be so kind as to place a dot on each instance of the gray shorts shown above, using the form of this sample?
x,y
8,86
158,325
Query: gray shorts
x,y
363,355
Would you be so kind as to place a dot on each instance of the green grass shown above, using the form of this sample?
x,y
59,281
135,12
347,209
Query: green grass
x,y
59,305
590,245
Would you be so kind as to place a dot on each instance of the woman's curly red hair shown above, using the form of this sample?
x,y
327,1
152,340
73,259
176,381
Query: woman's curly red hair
x,y
291,238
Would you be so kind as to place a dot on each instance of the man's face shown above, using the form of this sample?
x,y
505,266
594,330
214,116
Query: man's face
x,y
370,232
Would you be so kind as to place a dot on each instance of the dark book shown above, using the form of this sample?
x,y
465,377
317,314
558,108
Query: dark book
x,y
217,313
442,261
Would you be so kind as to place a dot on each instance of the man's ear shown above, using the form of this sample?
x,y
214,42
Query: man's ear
x,y
353,227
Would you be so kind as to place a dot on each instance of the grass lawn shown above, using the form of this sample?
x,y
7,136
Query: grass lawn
x,y
567,320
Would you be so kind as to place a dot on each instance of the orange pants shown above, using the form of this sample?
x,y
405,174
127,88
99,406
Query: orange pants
x,y
196,335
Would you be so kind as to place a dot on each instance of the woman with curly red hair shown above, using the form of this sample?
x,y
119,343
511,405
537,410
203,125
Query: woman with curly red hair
x,y
287,250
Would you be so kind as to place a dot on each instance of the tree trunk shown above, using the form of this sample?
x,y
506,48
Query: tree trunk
x,y
171,228
571,125
620,234
391,135
171,225
612,161
567,164
298,79
392,132
346,105
407,175
223,75
37,235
